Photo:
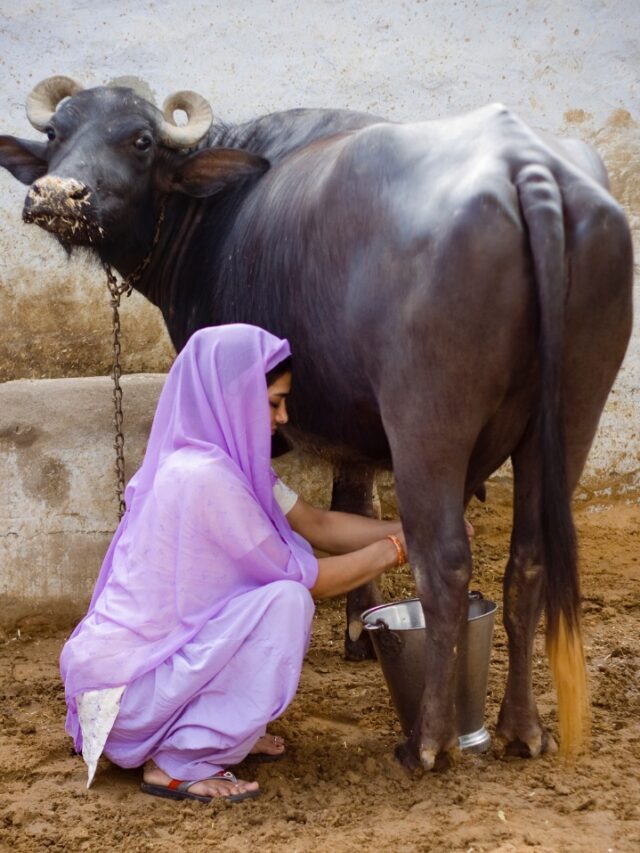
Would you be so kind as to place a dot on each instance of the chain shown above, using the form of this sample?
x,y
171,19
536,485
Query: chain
x,y
116,291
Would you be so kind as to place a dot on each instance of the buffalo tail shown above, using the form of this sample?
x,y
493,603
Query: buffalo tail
x,y
541,204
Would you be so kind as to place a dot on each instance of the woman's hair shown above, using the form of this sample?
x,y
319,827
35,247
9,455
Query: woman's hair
x,y
279,370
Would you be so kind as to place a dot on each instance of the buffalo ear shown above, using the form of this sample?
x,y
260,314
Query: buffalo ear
x,y
207,172
25,160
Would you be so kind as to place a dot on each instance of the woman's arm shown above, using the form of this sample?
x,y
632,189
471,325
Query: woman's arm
x,y
338,532
337,575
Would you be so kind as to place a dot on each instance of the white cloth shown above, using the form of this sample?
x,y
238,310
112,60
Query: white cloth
x,y
285,496
98,709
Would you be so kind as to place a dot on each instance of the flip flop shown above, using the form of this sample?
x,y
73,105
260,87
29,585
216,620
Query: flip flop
x,y
178,790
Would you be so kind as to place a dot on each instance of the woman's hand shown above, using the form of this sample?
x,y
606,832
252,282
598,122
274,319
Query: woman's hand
x,y
338,532
338,575
361,543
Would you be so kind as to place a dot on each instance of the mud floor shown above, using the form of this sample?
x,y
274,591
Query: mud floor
x,y
339,789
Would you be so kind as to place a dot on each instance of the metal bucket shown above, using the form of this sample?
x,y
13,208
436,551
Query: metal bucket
x,y
398,635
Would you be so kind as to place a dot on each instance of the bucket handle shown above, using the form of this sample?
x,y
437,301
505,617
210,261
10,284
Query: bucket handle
x,y
389,640
392,642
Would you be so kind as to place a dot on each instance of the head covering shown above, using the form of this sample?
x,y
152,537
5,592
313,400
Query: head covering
x,y
201,525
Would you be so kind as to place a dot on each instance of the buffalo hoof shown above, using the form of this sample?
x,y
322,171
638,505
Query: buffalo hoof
x,y
408,759
359,648
430,758
531,745
520,732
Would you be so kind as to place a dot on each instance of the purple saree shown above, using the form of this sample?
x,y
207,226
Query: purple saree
x,y
201,609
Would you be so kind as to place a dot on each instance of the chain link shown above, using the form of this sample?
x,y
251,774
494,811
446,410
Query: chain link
x,y
116,291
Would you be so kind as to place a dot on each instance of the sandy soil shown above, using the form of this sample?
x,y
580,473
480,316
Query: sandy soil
x,y
339,788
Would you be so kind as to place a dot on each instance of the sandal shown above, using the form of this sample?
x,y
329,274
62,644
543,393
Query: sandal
x,y
178,790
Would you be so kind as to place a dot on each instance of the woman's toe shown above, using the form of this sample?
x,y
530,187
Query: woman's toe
x,y
269,745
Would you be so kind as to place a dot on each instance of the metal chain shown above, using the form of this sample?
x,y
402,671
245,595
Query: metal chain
x,y
116,290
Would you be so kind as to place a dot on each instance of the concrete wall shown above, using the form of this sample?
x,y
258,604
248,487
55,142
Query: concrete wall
x,y
570,68
58,508
566,67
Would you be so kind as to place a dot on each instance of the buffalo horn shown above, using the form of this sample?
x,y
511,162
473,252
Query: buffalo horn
x,y
199,114
43,100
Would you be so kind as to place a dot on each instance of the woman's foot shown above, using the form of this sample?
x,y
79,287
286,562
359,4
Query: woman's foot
x,y
153,775
268,745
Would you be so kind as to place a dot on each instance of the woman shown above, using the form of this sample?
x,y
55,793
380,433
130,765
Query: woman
x,y
200,618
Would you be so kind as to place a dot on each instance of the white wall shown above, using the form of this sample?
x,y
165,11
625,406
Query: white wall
x,y
58,507
568,67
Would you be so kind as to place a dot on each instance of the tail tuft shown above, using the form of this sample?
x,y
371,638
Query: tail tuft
x,y
568,667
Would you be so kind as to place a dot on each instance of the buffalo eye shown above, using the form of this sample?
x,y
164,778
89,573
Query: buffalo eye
x,y
143,142
51,134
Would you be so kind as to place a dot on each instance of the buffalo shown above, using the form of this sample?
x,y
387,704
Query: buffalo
x,y
456,292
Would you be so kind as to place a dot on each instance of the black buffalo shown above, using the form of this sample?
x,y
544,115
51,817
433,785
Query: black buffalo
x,y
456,292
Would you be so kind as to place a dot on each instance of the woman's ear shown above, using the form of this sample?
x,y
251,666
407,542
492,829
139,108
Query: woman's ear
x,y
207,172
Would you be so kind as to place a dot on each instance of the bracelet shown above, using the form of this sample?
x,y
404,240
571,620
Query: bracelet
x,y
402,555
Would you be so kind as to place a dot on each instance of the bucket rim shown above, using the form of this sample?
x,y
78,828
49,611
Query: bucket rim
x,y
371,627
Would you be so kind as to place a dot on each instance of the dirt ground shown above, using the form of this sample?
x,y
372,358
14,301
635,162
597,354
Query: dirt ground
x,y
340,789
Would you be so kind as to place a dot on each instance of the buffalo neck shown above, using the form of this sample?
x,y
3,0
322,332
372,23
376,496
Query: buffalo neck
x,y
196,237
276,135
129,246
181,277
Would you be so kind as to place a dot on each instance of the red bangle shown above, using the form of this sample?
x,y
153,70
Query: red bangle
x,y
402,555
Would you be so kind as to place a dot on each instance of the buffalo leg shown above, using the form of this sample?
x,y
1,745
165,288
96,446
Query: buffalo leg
x,y
441,562
597,345
353,492
519,724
